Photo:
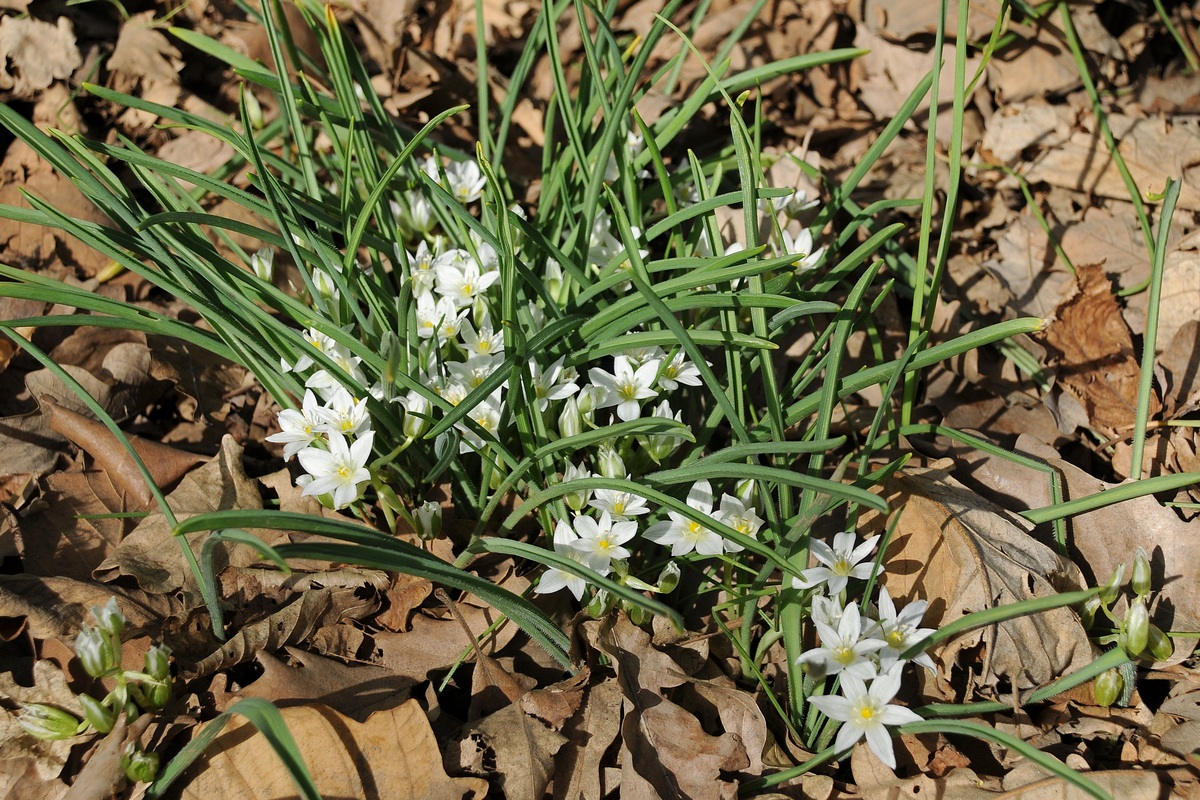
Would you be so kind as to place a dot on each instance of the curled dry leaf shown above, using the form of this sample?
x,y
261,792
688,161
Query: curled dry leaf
x,y
74,530
579,766
145,59
33,54
55,608
393,754
963,553
524,749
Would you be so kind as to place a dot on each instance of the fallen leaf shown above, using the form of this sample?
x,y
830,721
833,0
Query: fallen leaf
x,y
963,553
74,530
739,714
558,703
52,608
145,61
34,54
102,777
49,687
668,748
524,749
391,755
579,768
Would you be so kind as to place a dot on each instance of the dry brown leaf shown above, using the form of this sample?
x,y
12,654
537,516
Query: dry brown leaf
x,y
579,767
51,608
493,687
144,59
34,54
101,777
668,748
556,704
167,465
1125,784
150,554
393,754
739,714
351,689
1180,300
69,536
524,749
640,666
1093,355
876,779
403,596
963,553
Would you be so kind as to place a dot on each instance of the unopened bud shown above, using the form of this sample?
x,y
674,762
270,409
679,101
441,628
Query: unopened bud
x,y
668,579
427,518
1158,644
589,399
609,462
416,416
109,617
1108,686
1108,592
600,604
98,715
254,111
1136,627
95,651
570,421
638,615
158,662
263,264
47,722
1140,581
138,765
745,489
1087,612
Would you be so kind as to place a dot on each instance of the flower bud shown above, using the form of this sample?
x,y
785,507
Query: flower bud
x,y
600,604
744,490
98,715
95,651
609,462
1108,593
416,416
254,111
427,518
263,264
109,617
589,399
668,579
1140,581
1108,686
578,499
1087,612
1158,644
570,421
638,615
138,765
158,664
47,722
1136,627
156,695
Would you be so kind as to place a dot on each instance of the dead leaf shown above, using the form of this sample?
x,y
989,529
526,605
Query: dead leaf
x,y
393,754
70,536
34,54
1125,784
556,704
101,777
144,59
1093,354
963,553
49,687
739,714
579,766
51,608
524,749
403,596
493,687
667,747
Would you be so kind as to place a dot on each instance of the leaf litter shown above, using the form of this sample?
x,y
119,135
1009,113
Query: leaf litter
x,y
379,677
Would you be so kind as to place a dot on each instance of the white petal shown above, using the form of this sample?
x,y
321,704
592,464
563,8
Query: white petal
x,y
880,742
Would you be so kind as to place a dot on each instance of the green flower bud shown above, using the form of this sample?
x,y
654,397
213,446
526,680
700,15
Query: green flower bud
x,y
47,722
1159,645
416,415
745,489
95,651
156,695
600,604
1140,581
158,663
1136,627
609,462
1087,612
570,421
254,111
588,399
427,519
138,765
98,715
1108,593
1108,686
637,614
109,618
262,262
668,579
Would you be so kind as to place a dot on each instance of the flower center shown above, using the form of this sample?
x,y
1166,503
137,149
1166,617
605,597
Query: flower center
x,y
843,655
867,713
841,566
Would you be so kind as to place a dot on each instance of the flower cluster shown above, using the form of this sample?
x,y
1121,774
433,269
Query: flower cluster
x,y
862,646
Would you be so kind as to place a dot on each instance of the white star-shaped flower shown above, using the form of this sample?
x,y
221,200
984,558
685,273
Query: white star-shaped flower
x,y
900,630
601,540
840,563
684,535
845,650
866,712
625,387
339,470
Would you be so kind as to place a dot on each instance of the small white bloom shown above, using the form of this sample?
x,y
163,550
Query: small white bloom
x,y
621,504
463,283
676,371
465,180
844,650
801,248
578,498
865,712
626,387
900,631
742,518
684,535
338,470
660,446
440,317
487,416
555,579
601,540
841,562
474,370
299,428
551,383
344,414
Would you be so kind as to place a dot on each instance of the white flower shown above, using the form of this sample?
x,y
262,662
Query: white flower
x,y
324,285
865,712
415,213
801,248
793,204
841,562
465,180
578,498
684,535
473,371
463,283
344,414
421,269
299,428
439,317
552,383
742,518
555,579
601,540
660,446
845,650
625,387
827,610
676,371
416,413
621,504
338,470
900,631
487,416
